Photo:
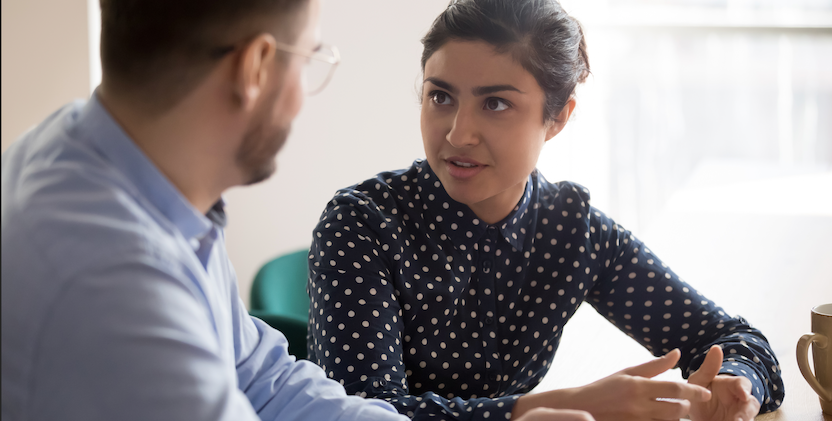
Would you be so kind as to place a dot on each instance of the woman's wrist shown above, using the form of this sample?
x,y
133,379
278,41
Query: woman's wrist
x,y
555,399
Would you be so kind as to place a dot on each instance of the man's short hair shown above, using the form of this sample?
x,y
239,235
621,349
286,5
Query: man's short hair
x,y
157,51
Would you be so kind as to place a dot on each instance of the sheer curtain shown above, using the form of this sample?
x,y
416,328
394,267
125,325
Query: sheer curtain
x,y
706,129
687,90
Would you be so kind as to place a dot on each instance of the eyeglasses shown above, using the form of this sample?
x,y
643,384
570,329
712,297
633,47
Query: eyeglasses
x,y
320,65
319,68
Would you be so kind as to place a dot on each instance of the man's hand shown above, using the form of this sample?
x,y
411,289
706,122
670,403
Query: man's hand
x,y
732,399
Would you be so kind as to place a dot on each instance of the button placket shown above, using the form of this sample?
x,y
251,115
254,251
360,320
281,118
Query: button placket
x,y
487,264
488,308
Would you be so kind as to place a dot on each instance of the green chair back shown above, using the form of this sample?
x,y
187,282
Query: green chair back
x,y
279,298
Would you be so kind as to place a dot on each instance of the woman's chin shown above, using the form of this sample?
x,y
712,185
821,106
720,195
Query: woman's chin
x,y
462,191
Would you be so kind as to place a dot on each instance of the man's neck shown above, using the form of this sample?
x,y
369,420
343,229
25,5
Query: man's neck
x,y
182,143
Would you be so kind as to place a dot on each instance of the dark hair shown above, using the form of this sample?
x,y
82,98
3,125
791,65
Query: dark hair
x,y
539,34
161,49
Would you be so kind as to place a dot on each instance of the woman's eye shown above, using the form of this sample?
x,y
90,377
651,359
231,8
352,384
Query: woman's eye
x,y
495,104
441,98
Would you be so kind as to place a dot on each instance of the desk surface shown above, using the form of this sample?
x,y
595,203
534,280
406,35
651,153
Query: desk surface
x,y
769,267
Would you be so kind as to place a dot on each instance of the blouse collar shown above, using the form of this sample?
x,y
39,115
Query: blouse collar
x,y
460,224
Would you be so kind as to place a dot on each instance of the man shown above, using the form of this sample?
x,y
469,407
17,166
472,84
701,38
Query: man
x,y
118,299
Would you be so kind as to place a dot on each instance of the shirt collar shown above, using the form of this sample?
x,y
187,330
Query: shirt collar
x,y
97,125
515,227
457,220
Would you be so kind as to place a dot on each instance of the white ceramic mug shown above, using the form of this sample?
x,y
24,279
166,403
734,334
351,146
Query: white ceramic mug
x,y
821,340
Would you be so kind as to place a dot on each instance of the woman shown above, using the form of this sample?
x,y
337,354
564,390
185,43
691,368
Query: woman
x,y
444,287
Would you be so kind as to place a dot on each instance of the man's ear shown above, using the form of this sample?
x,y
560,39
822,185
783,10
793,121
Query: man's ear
x,y
559,122
256,58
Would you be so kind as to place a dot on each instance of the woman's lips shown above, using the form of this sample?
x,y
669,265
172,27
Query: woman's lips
x,y
460,167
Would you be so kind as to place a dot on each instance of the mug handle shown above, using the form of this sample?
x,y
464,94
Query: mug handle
x,y
803,362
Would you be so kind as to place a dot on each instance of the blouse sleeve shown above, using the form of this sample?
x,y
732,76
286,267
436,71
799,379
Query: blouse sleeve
x,y
355,318
646,300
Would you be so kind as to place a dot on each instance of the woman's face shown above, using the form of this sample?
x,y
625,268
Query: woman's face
x,y
483,126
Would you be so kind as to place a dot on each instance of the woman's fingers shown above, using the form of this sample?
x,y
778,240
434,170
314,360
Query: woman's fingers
x,y
731,400
746,411
655,389
747,405
741,388
669,410
709,368
655,367
666,400
750,409
632,394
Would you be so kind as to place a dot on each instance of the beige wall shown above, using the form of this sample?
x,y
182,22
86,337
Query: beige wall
x,y
45,60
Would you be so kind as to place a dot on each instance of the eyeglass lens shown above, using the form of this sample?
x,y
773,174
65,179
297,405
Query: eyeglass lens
x,y
318,72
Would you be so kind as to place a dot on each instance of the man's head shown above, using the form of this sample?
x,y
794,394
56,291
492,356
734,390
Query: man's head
x,y
158,50
219,62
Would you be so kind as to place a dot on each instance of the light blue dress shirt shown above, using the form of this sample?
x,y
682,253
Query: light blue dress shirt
x,y
119,301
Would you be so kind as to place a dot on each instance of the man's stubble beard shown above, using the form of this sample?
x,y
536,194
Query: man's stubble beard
x,y
257,154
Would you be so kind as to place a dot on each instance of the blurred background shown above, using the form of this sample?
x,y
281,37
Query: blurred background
x,y
705,105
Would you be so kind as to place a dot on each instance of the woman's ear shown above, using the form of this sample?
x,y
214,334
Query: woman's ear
x,y
556,125
255,60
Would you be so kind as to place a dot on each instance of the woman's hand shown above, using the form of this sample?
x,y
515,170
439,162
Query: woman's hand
x,y
627,395
549,414
732,399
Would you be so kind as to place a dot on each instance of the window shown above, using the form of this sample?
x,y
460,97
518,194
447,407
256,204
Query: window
x,y
681,86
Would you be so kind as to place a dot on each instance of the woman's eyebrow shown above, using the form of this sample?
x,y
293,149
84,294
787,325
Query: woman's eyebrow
x,y
486,90
442,84
477,91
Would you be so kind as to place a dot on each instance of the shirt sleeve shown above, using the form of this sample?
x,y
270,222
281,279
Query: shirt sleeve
x,y
281,387
135,342
645,299
356,320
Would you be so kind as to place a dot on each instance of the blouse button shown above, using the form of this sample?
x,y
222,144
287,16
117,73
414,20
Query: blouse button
x,y
486,266
489,320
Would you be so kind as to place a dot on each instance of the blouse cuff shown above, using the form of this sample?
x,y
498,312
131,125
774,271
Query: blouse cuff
x,y
739,368
494,408
430,405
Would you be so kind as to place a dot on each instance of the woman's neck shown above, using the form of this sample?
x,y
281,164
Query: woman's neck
x,y
498,207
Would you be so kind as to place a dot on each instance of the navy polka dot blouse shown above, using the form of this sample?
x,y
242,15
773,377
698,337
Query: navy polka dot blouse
x,y
416,301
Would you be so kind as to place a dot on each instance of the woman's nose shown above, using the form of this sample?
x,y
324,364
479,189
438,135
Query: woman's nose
x,y
464,132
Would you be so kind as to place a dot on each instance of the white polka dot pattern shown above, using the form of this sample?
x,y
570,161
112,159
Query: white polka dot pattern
x,y
416,301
